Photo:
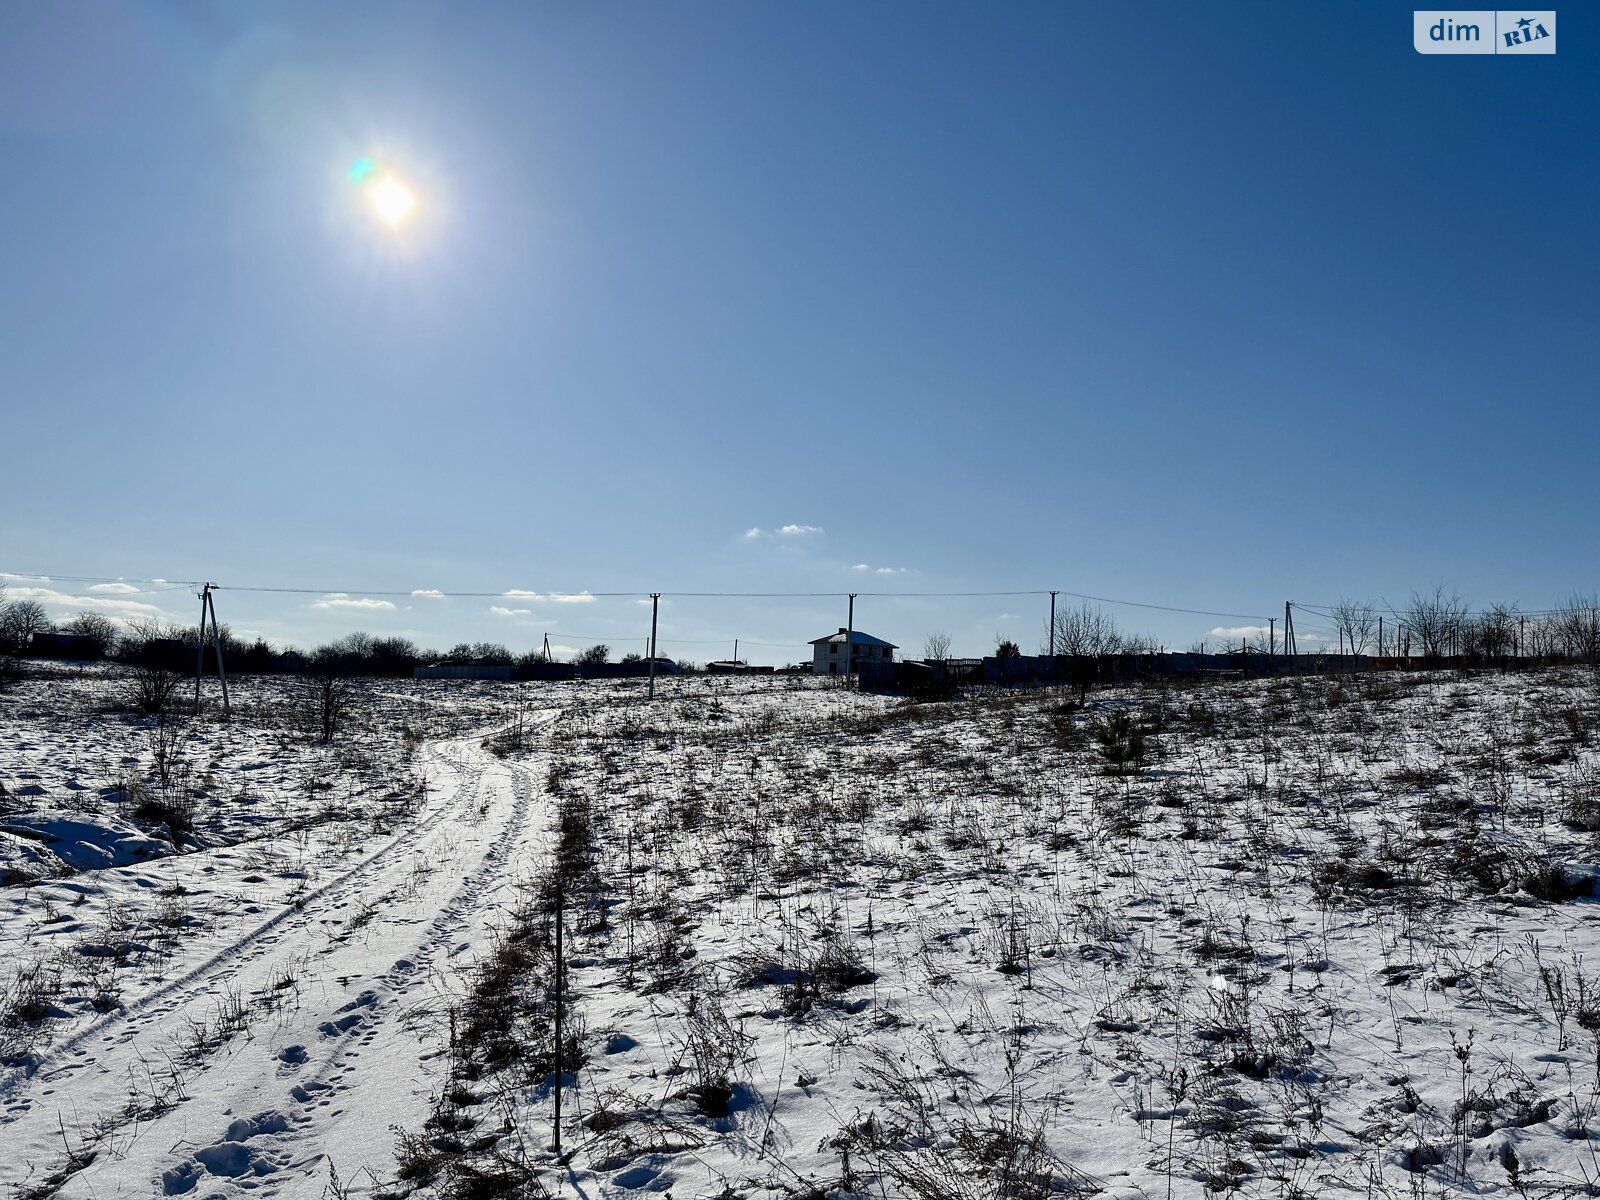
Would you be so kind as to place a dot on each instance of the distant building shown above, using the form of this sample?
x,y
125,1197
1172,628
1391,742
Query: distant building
x,y
843,652
504,673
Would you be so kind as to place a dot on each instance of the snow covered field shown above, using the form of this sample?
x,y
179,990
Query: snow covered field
x,y
1295,937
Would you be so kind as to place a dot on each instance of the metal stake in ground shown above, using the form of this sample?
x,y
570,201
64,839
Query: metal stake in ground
x,y
560,905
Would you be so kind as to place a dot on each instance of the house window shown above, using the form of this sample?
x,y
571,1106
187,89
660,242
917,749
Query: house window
x,y
833,647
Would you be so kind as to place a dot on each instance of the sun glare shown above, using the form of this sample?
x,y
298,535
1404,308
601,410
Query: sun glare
x,y
392,200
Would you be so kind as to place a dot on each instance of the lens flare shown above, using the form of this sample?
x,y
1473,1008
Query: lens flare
x,y
392,200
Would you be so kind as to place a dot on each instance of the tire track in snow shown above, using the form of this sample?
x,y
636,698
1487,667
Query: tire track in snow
x,y
72,1053
355,1029
345,1054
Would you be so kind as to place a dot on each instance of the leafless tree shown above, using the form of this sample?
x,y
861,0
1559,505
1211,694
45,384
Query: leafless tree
x,y
99,630
330,690
1434,619
152,649
1087,630
595,655
22,620
1356,621
1493,634
936,648
9,671
1578,620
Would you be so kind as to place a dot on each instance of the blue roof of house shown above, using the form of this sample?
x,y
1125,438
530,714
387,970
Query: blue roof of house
x,y
857,638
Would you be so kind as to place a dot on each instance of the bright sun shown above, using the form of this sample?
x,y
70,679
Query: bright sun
x,y
392,200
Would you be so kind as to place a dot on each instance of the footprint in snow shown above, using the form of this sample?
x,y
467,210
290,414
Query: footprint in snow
x,y
342,1026
305,1093
292,1056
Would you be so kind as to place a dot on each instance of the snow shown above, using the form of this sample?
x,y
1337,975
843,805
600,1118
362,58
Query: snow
x,y
1328,935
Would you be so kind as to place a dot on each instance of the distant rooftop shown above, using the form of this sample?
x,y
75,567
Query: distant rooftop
x,y
856,639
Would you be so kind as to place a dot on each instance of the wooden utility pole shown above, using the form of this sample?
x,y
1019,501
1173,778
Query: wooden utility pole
x,y
547,648
560,905
1291,646
1051,648
850,639
208,609
1272,635
200,644
1380,635
655,601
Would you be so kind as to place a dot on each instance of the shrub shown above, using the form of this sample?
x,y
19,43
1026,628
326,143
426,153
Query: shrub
x,y
1121,741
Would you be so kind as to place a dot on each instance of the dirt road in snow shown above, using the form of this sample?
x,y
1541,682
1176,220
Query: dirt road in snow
x,y
299,1026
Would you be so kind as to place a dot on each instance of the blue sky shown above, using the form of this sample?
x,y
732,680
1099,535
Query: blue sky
x,y
1200,305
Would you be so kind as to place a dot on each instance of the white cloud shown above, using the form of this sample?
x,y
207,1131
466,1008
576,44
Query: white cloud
x,y
1235,632
122,588
123,610
891,571
430,593
501,610
755,532
861,567
343,600
549,597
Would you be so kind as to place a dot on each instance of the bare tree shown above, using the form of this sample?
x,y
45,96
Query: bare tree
x,y
1493,634
1087,630
1434,619
22,620
1356,621
595,655
99,630
1578,620
492,654
331,689
152,650
936,648
9,671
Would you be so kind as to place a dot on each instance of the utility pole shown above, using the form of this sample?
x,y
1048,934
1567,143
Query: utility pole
x,y
850,639
208,608
1051,650
736,650
547,648
1272,636
655,601
1290,646
1380,635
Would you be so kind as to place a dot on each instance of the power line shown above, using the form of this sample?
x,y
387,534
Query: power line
x,y
568,597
